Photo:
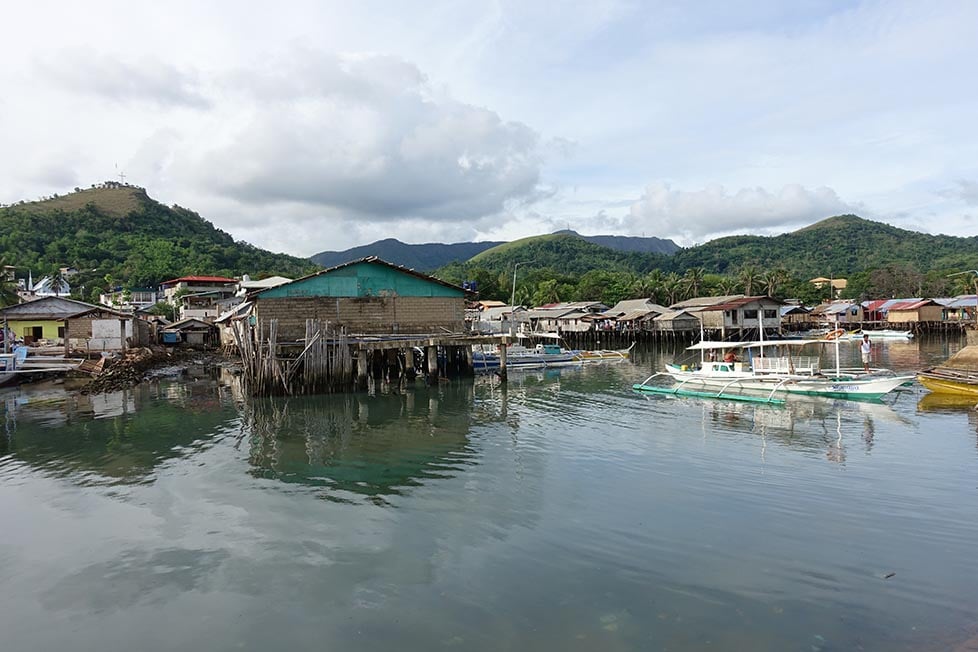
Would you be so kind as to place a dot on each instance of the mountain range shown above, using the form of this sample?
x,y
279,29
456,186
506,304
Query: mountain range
x,y
117,233
431,256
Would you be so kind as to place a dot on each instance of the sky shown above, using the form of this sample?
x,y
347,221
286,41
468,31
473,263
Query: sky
x,y
303,126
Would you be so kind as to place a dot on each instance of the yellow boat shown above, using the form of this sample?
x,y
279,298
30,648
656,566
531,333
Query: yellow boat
x,y
943,382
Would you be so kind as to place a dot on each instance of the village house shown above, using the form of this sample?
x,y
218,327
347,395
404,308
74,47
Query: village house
x,y
838,314
734,312
574,317
177,287
130,300
960,308
915,310
366,296
676,321
496,319
635,315
86,327
837,284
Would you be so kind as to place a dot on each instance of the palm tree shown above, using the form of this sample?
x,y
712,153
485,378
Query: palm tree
x,y
693,281
774,279
727,285
748,277
672,287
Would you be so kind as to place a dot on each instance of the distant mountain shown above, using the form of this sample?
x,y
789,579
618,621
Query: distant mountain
x,y
117,231
431,256
840,246
645,245
422,257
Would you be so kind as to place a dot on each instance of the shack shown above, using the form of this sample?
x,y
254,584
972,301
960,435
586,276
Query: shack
x,y
58,321
191,332
915,310
367,314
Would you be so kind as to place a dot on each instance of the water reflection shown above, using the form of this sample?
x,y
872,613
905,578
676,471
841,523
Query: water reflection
x,y
114,438
807,424
361,444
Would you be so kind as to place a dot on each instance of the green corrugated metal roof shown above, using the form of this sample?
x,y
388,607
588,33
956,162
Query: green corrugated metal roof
x,y
367,277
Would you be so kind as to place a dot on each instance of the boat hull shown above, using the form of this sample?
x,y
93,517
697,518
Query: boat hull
x,y
849,388
948,385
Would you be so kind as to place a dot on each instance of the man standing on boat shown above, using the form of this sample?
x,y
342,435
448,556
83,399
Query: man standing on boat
x,y
865,348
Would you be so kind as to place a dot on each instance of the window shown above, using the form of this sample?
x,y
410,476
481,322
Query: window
x,y
733,316
750,314
770,314
61,332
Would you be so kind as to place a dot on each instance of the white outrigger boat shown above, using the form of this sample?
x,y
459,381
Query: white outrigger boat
x,y
885,334
768,379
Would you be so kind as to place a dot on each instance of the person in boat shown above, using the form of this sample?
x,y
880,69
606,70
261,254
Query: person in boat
x,y
866,349
730,356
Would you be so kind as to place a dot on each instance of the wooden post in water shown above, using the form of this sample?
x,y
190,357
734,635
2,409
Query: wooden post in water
x,y
502,361
409,363
431,353
361,368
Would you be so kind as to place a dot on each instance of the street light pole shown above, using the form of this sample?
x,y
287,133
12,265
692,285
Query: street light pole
x,y
512,301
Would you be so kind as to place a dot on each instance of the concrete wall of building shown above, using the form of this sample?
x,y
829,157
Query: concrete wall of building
x,y
374,315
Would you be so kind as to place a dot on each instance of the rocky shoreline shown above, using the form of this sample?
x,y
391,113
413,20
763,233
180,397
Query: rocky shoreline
x,y
145,363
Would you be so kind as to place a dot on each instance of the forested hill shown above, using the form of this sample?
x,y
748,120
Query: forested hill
x,y
431,256
422,257
118,231
840,246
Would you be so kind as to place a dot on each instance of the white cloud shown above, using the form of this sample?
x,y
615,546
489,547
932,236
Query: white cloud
x,y
692,216
145,79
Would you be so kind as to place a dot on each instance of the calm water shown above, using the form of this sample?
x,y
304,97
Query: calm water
x,y
562,512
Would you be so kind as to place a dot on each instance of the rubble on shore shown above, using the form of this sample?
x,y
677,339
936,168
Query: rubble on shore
x,y
139,364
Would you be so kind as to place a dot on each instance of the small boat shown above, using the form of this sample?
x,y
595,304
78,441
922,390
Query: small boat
x,y
884,334
606,354
541,355
769,378
959,375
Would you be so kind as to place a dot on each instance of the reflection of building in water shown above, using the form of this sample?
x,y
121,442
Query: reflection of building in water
x,y
372,445
114,437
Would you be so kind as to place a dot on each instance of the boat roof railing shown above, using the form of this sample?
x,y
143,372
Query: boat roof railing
x,y
756,344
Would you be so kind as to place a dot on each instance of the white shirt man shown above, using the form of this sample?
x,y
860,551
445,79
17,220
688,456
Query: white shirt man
x,y
865,348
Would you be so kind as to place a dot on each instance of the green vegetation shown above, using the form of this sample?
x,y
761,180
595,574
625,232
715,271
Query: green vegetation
x,y
116,234
878,260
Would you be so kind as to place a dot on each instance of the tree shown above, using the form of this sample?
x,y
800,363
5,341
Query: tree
x,y
748,277
546,292
774,279
693,281
8,288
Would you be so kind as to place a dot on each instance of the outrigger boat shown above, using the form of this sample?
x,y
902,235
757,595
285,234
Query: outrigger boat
x,y
544,354
770,379
885,334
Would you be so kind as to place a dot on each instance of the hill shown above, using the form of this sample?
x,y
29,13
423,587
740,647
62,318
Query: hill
x,y
840,246
118,231
423,257
431,256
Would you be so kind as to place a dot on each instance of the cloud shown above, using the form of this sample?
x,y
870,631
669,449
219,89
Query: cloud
x,y
694,215
146,79
966,191
365,135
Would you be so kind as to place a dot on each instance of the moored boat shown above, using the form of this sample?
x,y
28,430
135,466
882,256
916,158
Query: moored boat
x,y
771,377
541,355
883,334
958,375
